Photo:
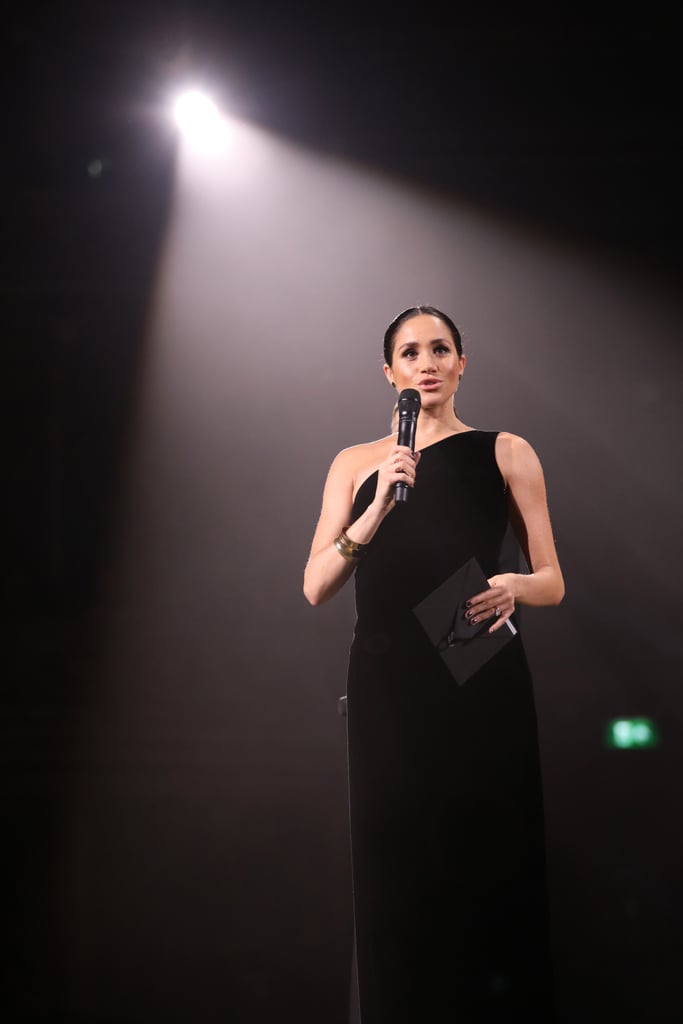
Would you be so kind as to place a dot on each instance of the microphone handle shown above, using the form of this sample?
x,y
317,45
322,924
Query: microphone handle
x,y
401,492
406,436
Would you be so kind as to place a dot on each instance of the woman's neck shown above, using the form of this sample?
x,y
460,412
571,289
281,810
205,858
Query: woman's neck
x,y
433,424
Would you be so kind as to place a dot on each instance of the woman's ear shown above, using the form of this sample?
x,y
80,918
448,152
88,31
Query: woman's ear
x,y
388,374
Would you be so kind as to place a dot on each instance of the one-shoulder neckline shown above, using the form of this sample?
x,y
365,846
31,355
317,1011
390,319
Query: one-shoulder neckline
x,y
428,447
448,437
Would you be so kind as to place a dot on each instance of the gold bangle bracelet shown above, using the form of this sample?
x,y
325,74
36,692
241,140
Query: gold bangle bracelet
x,y
349,549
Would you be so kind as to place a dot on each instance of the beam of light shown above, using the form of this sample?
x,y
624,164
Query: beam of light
x,y
211,684
200,121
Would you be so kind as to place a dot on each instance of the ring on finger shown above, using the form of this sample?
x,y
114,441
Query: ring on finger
x,y
497,612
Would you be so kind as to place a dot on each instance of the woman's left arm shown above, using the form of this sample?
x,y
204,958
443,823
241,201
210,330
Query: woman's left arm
x,y
543,585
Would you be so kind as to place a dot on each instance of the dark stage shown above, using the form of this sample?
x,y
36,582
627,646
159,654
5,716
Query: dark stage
x,y
189,339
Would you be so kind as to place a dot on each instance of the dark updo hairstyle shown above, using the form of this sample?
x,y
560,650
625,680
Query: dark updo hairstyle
x,y
408,314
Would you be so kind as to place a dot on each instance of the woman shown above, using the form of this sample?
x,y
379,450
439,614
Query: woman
x,y
444,781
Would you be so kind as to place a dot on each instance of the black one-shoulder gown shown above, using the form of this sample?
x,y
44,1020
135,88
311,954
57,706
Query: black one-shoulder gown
x,y
445,793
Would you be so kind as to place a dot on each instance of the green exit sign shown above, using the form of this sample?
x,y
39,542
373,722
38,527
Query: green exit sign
x,y
631,733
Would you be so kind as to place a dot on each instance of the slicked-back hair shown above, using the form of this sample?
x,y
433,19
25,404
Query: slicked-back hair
x,y
408,314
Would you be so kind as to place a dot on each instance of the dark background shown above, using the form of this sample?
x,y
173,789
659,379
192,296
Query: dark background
x,y
174,816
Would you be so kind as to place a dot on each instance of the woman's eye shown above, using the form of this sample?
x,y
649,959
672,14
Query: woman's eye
x,y
409,352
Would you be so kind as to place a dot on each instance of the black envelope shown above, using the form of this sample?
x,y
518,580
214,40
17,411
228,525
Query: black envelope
x,y
463,648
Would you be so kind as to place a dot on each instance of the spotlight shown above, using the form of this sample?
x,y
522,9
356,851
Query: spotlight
x,y
200,120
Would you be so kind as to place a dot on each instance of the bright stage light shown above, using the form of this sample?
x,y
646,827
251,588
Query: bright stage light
x,y
200,121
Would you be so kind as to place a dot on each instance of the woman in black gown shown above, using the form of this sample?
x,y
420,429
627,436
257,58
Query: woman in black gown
x,y
445,793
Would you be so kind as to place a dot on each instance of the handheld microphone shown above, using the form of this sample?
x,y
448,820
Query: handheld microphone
x,y
408,408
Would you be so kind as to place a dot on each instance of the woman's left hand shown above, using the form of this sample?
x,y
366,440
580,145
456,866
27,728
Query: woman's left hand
x,y
497,603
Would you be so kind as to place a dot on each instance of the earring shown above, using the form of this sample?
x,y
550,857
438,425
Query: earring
x,y
393,383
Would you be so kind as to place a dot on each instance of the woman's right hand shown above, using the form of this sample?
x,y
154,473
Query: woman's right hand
x,y
399,466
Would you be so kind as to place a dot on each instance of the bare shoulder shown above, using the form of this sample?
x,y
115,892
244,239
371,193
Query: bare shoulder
x,y
362,454
515,456
358,461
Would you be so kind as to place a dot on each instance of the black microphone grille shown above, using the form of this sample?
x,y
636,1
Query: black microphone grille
x,y
409,399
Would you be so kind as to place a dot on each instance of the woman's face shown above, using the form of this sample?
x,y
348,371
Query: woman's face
x,y
425,358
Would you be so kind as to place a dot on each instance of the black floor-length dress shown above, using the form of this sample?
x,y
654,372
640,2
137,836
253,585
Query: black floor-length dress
x,y
444,779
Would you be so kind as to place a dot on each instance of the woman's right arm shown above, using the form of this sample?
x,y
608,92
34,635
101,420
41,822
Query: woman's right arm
x,y
327,570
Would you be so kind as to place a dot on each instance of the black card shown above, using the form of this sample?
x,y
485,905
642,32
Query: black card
x,y
463,648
